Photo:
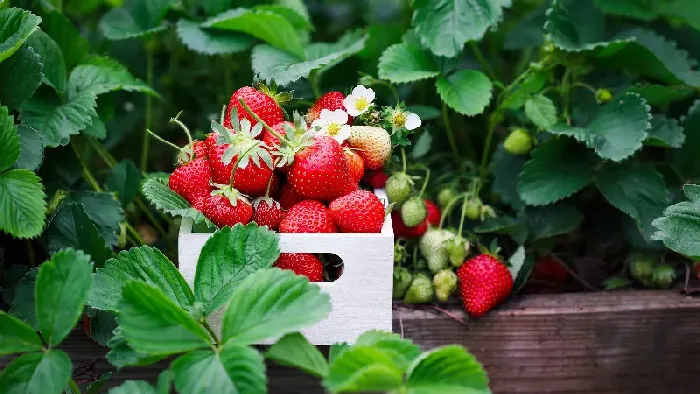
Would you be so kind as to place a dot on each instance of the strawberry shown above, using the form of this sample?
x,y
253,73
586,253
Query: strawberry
x,y
518,142
358,212
403,231
260,103
275,186
446,195
485,283
305,264
267,212
288,197
308,216
226,211
270,140
201,149
413,211
433,246
549,269
445,283
376,179
399,187
320,171
251,180
372,143
434,214
192,180
330,101
356,166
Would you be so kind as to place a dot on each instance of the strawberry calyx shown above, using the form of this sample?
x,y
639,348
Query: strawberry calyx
x,y
268,200
280,98
228,191
492,250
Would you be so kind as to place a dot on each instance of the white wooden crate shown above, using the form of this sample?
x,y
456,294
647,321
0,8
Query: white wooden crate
x,y
361,297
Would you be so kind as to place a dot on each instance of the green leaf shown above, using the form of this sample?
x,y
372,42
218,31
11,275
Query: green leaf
x,y
23,303
617,130
467,91
135,19
62,286
576,25
558,168
363,369
70,227
94,387
145,310
406,62
102,325
16,26
143,264
643,10
211,41
553,220
20,76
679,227
234,369
270,303
298,19
16,336
524,262
73,46
54,67
685,158
661,94
636,189
99,75
133,387
35,373
293,350
447,369
516,261
422,145
665,133
125,180
22,204
265,25
104,211
506,173
272,64
532,83
228,257
163,198
336,349
527,32
122,355
425,112
444,26
31,148
402,351
515,228
9,140
541,111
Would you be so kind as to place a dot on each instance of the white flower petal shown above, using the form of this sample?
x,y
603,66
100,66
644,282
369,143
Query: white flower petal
x,y
353,111
339,116
348,102
319,123
342,134
369,94
326,115
412,121
359,90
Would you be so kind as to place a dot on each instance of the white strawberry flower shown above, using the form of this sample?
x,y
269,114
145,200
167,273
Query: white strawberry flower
x,y
332,124
359,101
405,119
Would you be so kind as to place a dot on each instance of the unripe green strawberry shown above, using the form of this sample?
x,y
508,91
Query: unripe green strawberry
x,y
518,142
445,196
400,252
402,280
432,247
421,291
603,95
413,211
445,283
642,268
398,188
473,209
457,250
664,275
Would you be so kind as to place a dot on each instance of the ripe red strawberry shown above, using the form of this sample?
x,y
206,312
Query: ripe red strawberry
x,y
210,141
267,212
288,197
356,166
433,217
192,180
251,180
275,187
372,143
403,231
308,216
220,211
260,103
549,274
485,282
201,149
302,264
358,212
320,171
330,101
269,139
376,179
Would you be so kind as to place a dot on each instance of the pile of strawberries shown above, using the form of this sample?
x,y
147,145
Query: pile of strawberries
x,y
257,167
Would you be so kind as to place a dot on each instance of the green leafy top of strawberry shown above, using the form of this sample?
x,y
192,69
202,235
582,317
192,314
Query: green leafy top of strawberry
x,y
228,191
242,142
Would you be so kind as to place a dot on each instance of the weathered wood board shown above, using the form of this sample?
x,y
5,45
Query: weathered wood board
x,y
626,342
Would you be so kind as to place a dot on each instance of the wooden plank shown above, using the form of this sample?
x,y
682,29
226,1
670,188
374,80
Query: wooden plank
x,y
623,342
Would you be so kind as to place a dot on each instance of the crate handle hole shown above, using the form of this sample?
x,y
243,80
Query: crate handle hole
x,y
332,265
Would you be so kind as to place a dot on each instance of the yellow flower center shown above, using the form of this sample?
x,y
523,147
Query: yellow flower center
x,y
333,129
399,119
361,104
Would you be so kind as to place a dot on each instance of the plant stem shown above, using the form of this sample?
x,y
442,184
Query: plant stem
x,y
450,134
74,386
403,158
565,88
493,121
585,86
102,152
265,125
482,60
448,208
149,109
461,219
211,332
425,182
313,81
238,161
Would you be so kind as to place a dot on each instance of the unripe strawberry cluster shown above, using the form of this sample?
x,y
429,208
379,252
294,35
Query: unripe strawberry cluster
x,y
292,177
